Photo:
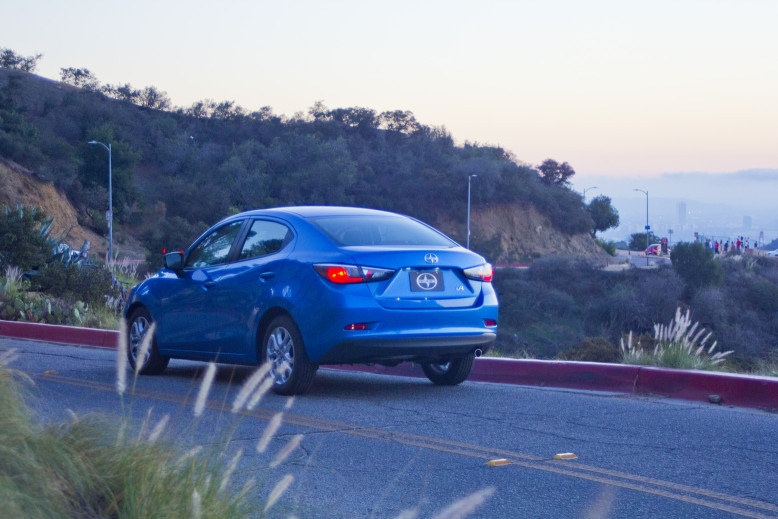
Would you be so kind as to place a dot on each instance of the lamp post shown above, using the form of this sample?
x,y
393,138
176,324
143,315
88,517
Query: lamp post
x,y
647,226
585,190
469,178
110,201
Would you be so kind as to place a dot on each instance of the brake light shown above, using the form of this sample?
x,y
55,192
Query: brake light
x,y
341,274
490,322
480,273
348,274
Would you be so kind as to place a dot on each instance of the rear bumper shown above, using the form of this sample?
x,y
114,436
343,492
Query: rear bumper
x,y
418,349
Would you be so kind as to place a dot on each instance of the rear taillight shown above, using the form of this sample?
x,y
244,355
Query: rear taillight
x,y
480,273
347,274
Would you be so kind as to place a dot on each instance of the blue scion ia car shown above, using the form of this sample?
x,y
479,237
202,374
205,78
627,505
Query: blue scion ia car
x,y
300,287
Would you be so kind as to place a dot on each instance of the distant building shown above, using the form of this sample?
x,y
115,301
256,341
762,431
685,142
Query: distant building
x,y
681,210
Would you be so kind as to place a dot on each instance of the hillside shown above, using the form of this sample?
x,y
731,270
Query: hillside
x,y
177,170
19,186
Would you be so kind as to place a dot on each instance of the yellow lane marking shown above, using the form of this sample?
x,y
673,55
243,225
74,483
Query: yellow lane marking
x,y
498,462
557,466
565,456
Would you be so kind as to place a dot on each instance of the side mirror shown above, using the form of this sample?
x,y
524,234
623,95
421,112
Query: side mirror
x,y
173,261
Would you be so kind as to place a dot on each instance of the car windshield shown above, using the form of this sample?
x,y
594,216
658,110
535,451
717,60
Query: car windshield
x,y
356,231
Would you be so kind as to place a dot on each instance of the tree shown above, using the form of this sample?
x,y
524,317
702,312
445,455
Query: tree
x,y
554,173
603,213
694,263
79,77
12,60
150,97
637,241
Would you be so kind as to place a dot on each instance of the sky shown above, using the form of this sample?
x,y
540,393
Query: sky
x,y
615,88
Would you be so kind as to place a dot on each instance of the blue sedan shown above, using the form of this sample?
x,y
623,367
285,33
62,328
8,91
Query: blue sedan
x,y
301,287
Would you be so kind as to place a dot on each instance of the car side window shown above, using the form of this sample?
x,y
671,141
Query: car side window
x,y
215,247
265,238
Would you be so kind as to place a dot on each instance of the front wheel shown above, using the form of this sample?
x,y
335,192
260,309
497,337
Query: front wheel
x,y
153,363
290,368
451,373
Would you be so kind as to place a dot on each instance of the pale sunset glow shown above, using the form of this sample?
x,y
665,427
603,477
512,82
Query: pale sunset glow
x,y
615,88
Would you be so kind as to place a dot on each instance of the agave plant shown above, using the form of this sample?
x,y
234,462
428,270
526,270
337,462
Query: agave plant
x,y
679,344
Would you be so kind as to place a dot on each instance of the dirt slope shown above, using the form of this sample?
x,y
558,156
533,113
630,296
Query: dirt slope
x,y
512,233
18,186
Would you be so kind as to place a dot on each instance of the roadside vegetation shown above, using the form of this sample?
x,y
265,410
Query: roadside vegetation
x,y
680,344
43,281
564,308
90,467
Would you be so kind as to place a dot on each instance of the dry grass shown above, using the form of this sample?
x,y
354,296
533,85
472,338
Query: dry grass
x,y
680,344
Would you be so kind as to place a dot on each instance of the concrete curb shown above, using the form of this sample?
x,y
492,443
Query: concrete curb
x,y
705,386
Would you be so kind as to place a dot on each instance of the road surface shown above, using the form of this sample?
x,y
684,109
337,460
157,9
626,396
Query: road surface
x,y
376,445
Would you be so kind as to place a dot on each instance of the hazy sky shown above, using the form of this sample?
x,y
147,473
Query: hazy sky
x,y
614,87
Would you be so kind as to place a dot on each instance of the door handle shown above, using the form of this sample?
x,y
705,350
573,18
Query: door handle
x,y
266,275
209,284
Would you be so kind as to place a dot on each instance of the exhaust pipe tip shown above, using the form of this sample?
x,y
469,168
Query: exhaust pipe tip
x,y
478,352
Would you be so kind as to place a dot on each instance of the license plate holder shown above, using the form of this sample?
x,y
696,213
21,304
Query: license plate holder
x,y
426,281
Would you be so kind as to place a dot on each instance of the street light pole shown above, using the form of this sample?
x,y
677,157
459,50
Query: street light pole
x,y
584,192
110,200
470,177
647,227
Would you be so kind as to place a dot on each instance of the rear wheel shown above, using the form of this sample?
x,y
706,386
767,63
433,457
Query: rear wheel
x,y
451,373
290,368
138,327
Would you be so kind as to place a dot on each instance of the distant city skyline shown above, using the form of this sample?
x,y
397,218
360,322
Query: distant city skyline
x,y
715,205
615,89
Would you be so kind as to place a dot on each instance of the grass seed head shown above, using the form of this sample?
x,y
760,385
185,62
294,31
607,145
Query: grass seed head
x,y
278,491
205,387
121,358
290,446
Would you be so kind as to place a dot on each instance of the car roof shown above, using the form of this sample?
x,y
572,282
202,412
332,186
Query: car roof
x,y
314,211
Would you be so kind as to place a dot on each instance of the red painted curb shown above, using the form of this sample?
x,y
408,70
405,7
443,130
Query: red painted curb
x,y
57,333
736,390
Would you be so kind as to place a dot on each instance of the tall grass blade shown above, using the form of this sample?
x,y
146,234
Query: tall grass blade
x,y
278,491
205,387
269,432
466,505
121,358
290,446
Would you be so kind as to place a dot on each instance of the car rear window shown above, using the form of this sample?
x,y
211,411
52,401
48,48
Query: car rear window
x,y
382,230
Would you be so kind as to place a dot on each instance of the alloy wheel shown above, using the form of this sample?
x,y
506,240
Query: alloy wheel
x,y
280,352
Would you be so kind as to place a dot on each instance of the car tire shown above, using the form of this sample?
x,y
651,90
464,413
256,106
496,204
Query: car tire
x,y
451,373
290,369
138,326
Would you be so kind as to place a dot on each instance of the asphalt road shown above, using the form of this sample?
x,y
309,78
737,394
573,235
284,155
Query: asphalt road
x,y
637,259
374,446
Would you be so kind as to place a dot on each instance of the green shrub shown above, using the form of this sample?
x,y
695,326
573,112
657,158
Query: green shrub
x,y
696,266
593,349
23,237
89,283
607,246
